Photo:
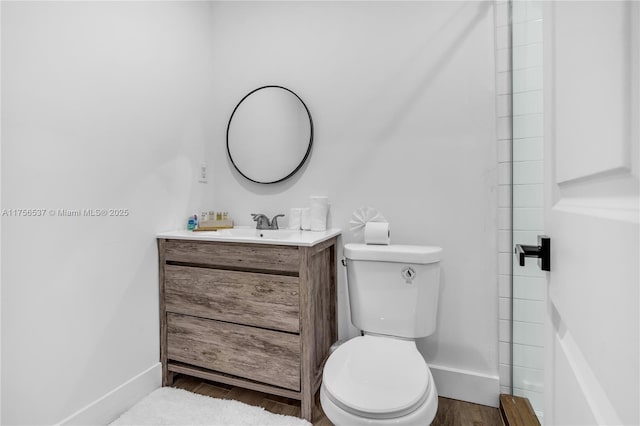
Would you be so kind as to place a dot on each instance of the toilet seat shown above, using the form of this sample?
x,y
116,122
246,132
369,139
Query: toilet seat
x,y
377,377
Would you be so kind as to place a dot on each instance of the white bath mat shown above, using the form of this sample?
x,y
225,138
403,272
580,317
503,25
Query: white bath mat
x,y
170,406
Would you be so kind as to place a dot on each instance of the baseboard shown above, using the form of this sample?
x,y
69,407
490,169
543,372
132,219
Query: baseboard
x,y
111,405
466,385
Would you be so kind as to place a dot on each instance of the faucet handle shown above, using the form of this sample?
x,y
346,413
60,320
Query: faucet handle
x,y
261,219
274,221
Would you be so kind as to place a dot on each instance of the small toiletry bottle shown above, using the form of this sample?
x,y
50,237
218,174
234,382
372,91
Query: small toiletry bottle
x,y
219,216
195,221
191,224
204,216
225,215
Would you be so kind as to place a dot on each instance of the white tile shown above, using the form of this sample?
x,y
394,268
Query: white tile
x,y
504,218
533,10
518,12
527,79
504,330
504,105
504,151
502,14
504,371
529,195
504,353
503,83
528,356
502,37
504,173
530,268
504,308
504,263
527,32
528,126
528,333
530,288
528,310
503,60
531,219
526,237
504,128
527,149
527,56
529,379
518,33
504,242
504,285
526,172
527,103
504,195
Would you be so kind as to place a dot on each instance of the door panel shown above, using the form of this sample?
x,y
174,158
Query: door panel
x,y
591,212
592,50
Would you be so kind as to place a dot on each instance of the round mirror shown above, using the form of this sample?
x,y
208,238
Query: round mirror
x,y
269,135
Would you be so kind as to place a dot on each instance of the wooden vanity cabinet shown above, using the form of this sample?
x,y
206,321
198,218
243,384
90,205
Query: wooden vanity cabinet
x,y
256,316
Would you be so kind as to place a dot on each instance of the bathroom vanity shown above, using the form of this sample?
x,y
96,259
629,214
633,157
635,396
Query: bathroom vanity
x,y
249,308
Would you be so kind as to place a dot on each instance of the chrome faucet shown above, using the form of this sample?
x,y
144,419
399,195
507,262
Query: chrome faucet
x,y
263,222
274,221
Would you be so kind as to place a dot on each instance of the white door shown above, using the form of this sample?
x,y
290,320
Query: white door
x,y
592,91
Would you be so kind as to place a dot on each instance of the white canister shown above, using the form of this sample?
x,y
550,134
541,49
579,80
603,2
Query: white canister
x,y
305,219
319,212
295,217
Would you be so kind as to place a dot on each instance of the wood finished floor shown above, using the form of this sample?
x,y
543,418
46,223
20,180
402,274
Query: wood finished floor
x,y
450,411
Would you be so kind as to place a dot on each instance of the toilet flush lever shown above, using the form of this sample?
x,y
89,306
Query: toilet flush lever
x,y
408,273
542,251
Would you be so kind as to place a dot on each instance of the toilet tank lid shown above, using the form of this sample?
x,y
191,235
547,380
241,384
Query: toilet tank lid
x,y
393,253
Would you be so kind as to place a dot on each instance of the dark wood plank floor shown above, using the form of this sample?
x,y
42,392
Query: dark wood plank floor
x,y
450,411
517,411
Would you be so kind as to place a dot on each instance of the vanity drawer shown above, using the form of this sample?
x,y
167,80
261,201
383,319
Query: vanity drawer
x,y
253,353
262,300
275,258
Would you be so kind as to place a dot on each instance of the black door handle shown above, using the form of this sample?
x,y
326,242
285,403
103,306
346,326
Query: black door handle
x,y
542,251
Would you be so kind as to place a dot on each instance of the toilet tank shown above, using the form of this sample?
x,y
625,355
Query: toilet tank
x,y
393,289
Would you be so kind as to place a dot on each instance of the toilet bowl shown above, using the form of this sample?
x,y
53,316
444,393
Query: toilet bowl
x,y
378,380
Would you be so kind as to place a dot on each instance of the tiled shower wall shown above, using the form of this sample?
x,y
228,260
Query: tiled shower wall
x,y
520,165
503,105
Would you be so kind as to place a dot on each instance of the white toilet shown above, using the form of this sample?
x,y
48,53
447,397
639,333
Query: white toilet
x,y
380,378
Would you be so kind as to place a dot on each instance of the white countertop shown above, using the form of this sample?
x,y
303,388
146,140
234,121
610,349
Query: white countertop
x,y
285,237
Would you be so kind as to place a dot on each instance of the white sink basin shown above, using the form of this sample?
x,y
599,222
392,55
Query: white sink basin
x,y
258,236
249,233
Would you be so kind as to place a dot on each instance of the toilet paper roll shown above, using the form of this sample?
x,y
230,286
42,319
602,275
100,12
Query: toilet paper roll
x,y
295,215
319,212
377,233
305,219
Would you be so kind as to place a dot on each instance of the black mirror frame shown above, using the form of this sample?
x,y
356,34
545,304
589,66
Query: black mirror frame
x,y
306,155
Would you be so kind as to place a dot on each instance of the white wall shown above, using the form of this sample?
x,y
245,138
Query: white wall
x,y
105,105
403,101
113,105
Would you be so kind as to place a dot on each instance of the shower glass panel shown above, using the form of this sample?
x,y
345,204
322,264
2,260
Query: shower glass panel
x,y
528,284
